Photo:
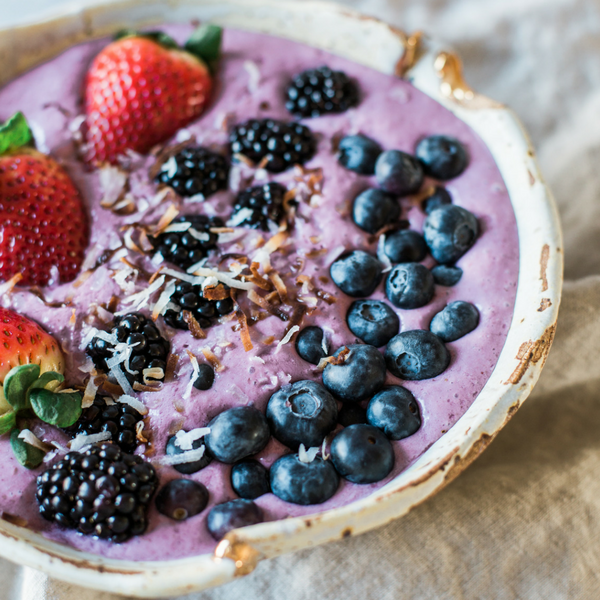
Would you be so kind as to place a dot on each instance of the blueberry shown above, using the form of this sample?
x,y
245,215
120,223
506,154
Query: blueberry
x,y
303,483
301,413
309,344
190,467
440,197
372,209
206,377
446,275
405,246
409,285
181,499
443,157
358,153
237,433
356,273
362,454
359,376
222,518
350,414
395,411
454,321
449,232
249,479
416,354
373,321
398,172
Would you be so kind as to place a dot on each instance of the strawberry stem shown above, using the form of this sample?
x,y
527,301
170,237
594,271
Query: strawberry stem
x,y
161,38
205,44
14,133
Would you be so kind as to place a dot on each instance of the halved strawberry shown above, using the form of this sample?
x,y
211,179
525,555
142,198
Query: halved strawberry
x,y
43,223
142,88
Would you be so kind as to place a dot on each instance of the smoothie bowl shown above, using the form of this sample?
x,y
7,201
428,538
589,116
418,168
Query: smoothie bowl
x,y
305,275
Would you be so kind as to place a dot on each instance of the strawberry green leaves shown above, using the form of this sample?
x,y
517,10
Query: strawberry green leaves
x,y
205,44
161,38
14,133
26,390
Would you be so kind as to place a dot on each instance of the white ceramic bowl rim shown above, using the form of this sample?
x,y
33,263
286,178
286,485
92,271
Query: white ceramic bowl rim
x,y
382,47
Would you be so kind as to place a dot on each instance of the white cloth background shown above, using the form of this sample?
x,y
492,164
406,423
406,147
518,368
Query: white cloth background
x,y
524,520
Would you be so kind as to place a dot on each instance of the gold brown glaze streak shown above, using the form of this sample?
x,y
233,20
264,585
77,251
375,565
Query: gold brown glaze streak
x,y
241,553
413,49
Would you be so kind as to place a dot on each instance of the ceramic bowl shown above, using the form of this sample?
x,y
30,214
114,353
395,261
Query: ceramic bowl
x,y
436,71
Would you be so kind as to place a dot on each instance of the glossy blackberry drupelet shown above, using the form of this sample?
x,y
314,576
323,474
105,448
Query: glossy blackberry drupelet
x,y
301,413
361,374
440,197
282,145
417,354
190,298
222,518
398,172
257,207
409,285
356,273
102,492
250,480
405,246
118,419
373,321
150,350
351,414
186,248
450,231
237,433
310,346
195,171
362,454
188,468
180,499
206,377
446,275
395,411
442,157
303,483
359,153
321,91
373,208
455,321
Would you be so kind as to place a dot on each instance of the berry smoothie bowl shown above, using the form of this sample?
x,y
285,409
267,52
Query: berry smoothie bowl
x,y
266,282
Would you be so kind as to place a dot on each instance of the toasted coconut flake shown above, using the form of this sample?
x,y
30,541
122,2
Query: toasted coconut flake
x,y
172,361
257,278
83,277
268,340
340,359
7,287
73,317
165,220
140,299
134,403
213,359
297,316
152,374
122,380
89,395
127,206
224,278
82,440
139,433
263,303
217,292
177,227
59,447
244,331
140,387
219,230
287,337
193,325
183,276
326,296
30,438
382,256
183,458
195,374
112,181
129,243
163,300
307,456
279,286
186,439
239,157
155,275
87,366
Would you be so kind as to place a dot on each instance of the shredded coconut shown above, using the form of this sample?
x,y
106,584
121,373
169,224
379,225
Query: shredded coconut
x,y
224,278
195,374
382,256
183,276
134,403
161,304
240,216
307,456
184,457
30,438
287,337
112,182
140,299
253,75
90,393
201,236
82,440
185,439
122,380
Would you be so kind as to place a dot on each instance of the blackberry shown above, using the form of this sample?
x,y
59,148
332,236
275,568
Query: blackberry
x,y
319,91
195,171
256,206
186,248
102,492
117,418
151,349
190,298
282,144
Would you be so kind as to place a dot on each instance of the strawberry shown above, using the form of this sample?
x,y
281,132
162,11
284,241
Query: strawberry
x,y
43,223
24,342
142,88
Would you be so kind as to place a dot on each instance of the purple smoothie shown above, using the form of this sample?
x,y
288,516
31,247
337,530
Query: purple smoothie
x,y
254,72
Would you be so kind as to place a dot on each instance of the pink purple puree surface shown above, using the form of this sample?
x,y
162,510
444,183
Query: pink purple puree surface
x,y
253,74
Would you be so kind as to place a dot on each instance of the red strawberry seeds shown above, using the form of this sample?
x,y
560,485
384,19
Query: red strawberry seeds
x,y
43,223
138,94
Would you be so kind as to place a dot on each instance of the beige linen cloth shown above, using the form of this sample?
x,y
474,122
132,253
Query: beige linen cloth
x,y
524,520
